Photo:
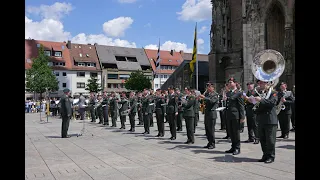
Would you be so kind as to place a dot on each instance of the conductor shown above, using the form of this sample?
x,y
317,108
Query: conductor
x,y
65,113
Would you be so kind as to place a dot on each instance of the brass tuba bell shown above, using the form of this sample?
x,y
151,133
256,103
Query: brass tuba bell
x,y
268,65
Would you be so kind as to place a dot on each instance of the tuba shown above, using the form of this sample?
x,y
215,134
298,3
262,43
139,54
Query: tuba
x,y
268,65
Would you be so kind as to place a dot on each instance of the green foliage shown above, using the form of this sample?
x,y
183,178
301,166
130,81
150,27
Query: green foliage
x,y
137,81
93,85
40,77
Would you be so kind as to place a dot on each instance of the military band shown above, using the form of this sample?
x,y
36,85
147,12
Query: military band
x,y
261,111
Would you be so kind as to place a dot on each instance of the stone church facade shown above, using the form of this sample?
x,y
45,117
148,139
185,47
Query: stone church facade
x,y
242,28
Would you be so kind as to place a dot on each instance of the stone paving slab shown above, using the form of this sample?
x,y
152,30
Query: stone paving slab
x,y
110,153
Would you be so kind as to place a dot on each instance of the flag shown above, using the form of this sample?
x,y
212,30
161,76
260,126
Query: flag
x,y
158,56
194,53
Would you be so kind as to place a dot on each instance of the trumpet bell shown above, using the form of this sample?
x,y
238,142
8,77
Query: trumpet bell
x,y
268,65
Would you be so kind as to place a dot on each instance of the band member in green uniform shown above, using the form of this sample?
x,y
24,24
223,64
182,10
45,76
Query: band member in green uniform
x,y
139,107
105,108
124,102
132,110
172,112
188,114
98,106
211,100
92,103
180,110
114,109
146,109
235,116
65,113
267,121
160,104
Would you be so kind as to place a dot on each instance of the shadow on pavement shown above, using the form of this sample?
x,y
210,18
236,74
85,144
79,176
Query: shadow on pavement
x,y
230,158
198,151
170,142
156,138
287,147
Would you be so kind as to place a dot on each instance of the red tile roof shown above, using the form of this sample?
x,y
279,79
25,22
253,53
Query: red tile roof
x,y
31,52
85,50
166,58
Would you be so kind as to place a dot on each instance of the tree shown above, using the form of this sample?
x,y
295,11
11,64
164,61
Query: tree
x,y
93,85
39,77
137,81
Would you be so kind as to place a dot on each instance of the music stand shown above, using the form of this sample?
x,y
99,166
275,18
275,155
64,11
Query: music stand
x,y
83,130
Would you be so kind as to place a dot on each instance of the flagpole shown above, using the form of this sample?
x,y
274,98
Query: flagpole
x,y
159,65
197,70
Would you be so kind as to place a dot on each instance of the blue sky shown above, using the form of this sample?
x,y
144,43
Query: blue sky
x,y
127,23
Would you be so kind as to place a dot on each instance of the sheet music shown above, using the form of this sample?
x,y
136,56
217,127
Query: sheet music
x,y
198,93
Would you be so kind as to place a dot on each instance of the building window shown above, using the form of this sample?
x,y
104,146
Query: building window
x,y
64,74
157,85
90,47
91,64
80,54
156,76
28,60
64,85
47,52
81,74
165,76
132,59
93,74
109,85
38,45
120,58
112,76
161,76
124,76
81,64
56,73
115,85
50,63
81,85
58,54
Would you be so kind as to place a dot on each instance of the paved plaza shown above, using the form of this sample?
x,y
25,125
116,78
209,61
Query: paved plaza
x,y
105,153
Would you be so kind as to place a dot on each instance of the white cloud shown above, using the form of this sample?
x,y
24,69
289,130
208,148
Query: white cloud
x,y
195,10
101,39
116,27
55,11
177,46
127,1
50,28
203,29
47,29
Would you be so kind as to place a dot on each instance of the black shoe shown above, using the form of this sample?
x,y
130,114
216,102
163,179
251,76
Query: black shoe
x,y
230,151
269,160
236,152
227,137
256,141
241,131
280,136
293,130
130,130
173,138
188,142
211,146
249,141
133,130
158,135
121,128
161,135
286,137
207,146
263,159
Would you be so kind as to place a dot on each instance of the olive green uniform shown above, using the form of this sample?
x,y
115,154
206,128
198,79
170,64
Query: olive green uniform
x,y
267,125
92,103
172,110
114,111
132,113
124,107
66,112
180,113
211,101
196,113
160,112
100,112
188,115
140,114
146,111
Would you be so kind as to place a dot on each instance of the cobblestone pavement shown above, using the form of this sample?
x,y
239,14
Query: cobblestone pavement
x,y
112,154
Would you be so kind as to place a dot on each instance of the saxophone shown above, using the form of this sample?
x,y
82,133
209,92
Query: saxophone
x,y
280,106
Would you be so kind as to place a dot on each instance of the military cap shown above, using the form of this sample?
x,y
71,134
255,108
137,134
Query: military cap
x,y
158,89
283,83
171,87
232,79
66,90
177,89
249,83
